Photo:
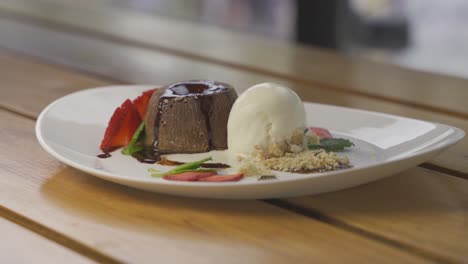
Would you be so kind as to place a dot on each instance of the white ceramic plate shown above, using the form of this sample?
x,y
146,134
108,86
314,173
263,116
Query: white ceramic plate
x,y
71,129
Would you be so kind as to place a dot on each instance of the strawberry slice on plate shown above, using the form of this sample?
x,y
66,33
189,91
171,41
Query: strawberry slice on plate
x,y
141,102
189,176
121,127
222,178
321,132
203,176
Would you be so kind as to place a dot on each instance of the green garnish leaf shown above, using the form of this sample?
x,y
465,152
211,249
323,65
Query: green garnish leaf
x,y
181,171
132,146
332,144
189,166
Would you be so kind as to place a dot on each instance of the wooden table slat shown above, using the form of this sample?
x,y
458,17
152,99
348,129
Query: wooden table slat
x,y
419,208
20,245
307,65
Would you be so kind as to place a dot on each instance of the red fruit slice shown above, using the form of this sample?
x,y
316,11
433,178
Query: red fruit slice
x,y
223,178
141,102
321,132
189,176
121,127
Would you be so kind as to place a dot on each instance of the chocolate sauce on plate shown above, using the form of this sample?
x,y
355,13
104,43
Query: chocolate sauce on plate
x,y
147,155
104,155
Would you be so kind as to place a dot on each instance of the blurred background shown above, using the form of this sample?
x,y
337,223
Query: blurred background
x,y
428,35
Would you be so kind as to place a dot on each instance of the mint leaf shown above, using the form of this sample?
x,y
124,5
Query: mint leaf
x,y
332,144
132,146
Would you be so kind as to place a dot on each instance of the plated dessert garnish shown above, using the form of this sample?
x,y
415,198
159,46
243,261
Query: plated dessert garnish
x,y
260,132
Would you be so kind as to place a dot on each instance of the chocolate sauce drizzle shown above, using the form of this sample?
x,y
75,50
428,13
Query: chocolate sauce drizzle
x,y
193,88
104,155
147,155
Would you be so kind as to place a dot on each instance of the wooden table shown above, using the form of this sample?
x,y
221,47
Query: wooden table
x,y
51,213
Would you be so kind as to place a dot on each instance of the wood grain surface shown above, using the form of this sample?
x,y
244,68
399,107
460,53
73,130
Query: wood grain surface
x,y
310,66
21,246
129,225
419,208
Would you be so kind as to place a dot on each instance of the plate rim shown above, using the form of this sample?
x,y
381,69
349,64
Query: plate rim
x,y
448,141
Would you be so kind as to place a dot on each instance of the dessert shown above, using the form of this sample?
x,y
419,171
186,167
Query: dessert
x,y
189,117
267,131
261,133
266,116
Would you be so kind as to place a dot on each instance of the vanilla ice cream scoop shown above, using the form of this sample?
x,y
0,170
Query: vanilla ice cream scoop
x,y
263,115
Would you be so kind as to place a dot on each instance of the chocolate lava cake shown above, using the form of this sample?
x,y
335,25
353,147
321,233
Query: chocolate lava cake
x,y
189,117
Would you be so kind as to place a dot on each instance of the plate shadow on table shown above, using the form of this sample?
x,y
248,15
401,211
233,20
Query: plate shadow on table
x,y
85,195
112,204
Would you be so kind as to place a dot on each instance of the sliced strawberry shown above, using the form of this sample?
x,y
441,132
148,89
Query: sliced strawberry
x,y
222,178
141,102
121,127
189,176
321,132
